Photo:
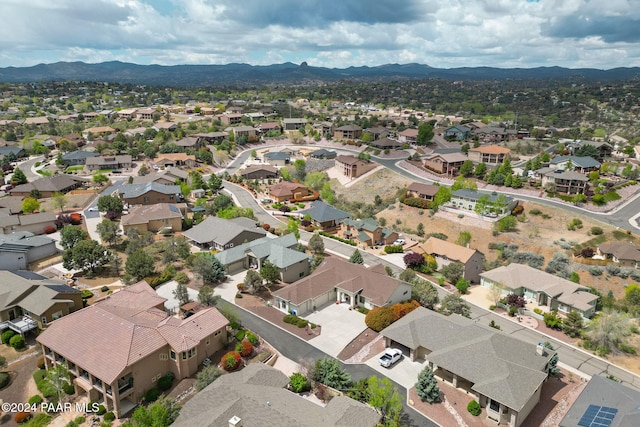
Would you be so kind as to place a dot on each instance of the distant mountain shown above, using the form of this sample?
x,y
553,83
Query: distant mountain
x,y
287,73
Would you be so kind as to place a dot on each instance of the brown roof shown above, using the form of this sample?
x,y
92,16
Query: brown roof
x,y
621,250
144,213
443,248
426,189
374,282
285,188
270,125
127,326
99,129
409,132
174,157
255,168
491,149
348,159
449,157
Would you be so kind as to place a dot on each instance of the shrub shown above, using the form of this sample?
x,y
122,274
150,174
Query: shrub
x,y
595,270
22,417
151,395
596,231
517,301
552,320
17,342
230,361
240,335
109,416
393,249
68,388
181,277
50,229
462,286
104,289
252,338
6,336
40,363
513,310
3,361
246,348
39,375
379,318
537,310
86,294
535,212
208,375
587,252
474,408
298,383
102,410
164,383
40,420
4,379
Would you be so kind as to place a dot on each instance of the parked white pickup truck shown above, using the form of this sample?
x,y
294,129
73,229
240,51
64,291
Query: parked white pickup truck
x,y
390,356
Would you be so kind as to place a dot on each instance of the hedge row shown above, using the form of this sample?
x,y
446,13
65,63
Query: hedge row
x,y
381,317
340,239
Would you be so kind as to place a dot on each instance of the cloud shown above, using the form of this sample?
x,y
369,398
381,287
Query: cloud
x,y
611,29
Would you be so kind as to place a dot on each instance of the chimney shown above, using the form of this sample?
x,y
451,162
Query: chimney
x,y
540,349
235,421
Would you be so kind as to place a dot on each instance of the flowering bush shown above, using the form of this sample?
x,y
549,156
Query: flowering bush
x,y
230,361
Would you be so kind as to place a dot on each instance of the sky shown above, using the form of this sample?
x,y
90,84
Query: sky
x,y
600,34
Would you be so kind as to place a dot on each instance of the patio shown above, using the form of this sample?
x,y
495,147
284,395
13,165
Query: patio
x,y
340,326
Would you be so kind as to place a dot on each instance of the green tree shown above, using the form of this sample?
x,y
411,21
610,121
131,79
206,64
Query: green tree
x,y
384,397
609,330
632,295
292,227
109,231
207,297
160,413
207,375
110,204
208,267
100,178
423,292
466,169
327,371
462,285
453,303
253,281
59,378
86,255
508,223
300,170
139,264
30,205
480,171
18,177
270,272
316,180
427,386
356,258
35,194
59,201
442,196
425,134
572,324
181,294
70,235
316,244
482,204
196,181
579,199
215,182
464,238
453,271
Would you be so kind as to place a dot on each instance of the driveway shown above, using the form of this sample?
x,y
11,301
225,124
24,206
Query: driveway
x,y
340,326
229,288
405,372
166,291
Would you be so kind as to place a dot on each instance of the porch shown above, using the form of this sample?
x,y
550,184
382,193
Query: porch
x,y
19,325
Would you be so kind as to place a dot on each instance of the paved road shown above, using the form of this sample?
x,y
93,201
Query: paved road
x,y
573,357
27,165
302,352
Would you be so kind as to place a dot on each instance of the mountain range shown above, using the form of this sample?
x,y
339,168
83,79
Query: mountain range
x,y
287,73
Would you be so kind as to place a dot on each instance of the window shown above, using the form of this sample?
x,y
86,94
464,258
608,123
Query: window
x,y
171,197
495,406
301,274
43,319
207,341
56,315
184,355
145,200
164,356
172,354
192,352
217,333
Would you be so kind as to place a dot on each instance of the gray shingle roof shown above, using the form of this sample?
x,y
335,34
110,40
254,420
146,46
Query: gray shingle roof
x,y
131,191
220,231
583,162
322,212
264,247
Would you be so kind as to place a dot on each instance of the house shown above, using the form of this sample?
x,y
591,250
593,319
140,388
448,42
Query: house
x,y
604,148
565,182
34,223
325,129
49,185
29,301
219,234
36,121
259,172
445,163
366,231
153,218
623,253
167,160
11,205
277,158
409,136
494,134
323,154
189,142
97,131
386,144
347,132
445,253
504,374
145,113
77,158
377,133
150,193
19,249
168,126
280,252
230,118
352,166
240,401
212,137
339,281
489,154
422,191
285,190
553,292
605,402
13,151
293,123
458,132
142,341
494,203
122,161
168,176
324,216
584,164
267,127
126,114
239,132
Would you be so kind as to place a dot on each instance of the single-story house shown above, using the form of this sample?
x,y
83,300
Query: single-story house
x,y
150,193
49,185
352,166
97,131
339,281
259,172
377,133
220,234
153,218
604,402
29,301
325,216
445,253
323,153
285,190
347,132
168,126
238,396
366,231
267,127
385,144
189,142
19,249
494,134
422,191
13,150
409,136
293,123
494,203
143,344
445,163
623,253
34,223
280,252
77,158
604,148
565,182
458,132
545,289
277,158
212,137
168,176
122,161
504,374
168,160
489,154
583,164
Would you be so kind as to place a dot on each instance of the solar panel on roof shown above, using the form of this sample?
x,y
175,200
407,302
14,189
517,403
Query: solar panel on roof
x,y
597,416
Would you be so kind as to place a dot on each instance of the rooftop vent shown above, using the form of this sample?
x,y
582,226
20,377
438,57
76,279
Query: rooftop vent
x,y
235,421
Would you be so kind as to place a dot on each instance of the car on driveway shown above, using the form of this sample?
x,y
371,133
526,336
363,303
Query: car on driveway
x,y
93,209
399,242
389,357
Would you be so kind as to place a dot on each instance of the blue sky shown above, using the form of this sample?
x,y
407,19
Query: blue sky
x,y
330,33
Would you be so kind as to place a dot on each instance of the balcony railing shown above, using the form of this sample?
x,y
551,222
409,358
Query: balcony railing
x,y
21,325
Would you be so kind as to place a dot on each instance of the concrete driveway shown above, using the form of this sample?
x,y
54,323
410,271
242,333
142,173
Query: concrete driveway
x,y
340,326
405,372
229,288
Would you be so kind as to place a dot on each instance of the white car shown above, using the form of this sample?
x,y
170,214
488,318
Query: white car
x,y
93,209
399,242
390,356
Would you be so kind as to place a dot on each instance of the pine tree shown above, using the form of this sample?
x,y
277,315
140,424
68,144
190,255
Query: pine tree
x,y
572,324
427,386
356,258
